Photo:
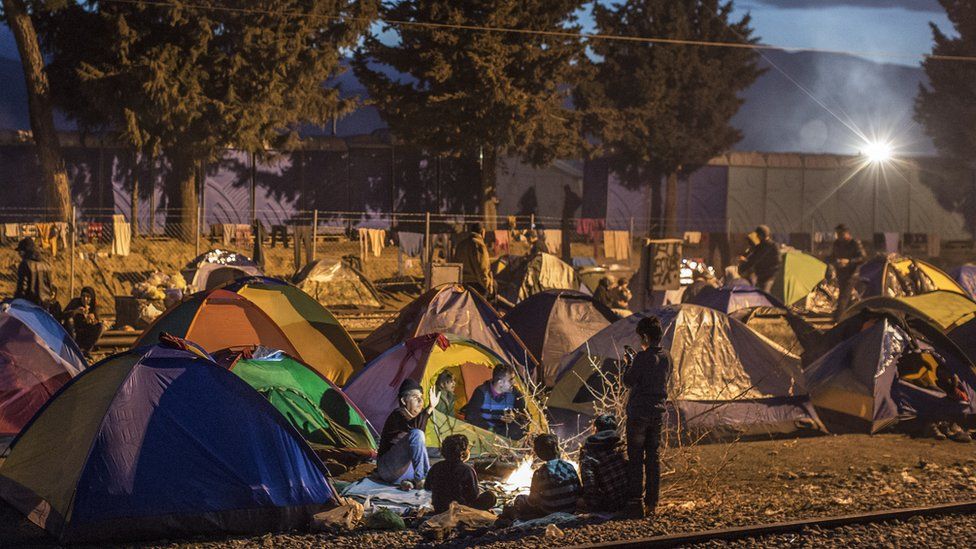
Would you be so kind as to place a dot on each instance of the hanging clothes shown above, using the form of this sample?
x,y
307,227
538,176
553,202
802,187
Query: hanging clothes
x,y
47,237
371,241
502,240
934,247
616,244
554,239
121,235
411,244
692,237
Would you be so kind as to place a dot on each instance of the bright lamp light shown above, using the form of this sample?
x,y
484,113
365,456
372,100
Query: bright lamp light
x,y
878,152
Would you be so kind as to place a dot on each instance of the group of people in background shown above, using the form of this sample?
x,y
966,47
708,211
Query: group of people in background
x,y
613,477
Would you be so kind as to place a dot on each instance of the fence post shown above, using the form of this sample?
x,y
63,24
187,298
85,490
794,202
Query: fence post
x,y
630,243
427,251
73,228
315,233
532,221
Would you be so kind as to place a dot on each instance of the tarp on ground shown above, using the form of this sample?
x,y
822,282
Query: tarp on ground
x,y
374,389
965,276
451,309
161,442
729,299
554,322
894,276
216,268
30,372
338,286
798,276
518,277
728,381
315,406
263,311
858,387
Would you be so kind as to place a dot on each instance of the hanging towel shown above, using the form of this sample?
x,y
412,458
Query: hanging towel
x,y
377,240
502,241
891,242
411,244
226,233
623,244
121,235
554,240
609,244
47,237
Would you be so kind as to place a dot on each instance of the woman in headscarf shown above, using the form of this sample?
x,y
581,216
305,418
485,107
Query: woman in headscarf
x,y
81,320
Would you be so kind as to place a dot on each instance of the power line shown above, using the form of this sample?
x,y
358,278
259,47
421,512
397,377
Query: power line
x,y
552,33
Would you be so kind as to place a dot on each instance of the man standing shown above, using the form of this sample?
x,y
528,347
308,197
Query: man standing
x,y
33,275
497,406
647,377
846,258
472,253
762,260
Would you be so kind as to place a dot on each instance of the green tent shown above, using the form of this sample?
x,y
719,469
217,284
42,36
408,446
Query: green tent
x,y
317,408
798,276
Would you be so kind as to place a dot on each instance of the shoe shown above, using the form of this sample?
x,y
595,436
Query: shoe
x,y
957,434
418,484
932,431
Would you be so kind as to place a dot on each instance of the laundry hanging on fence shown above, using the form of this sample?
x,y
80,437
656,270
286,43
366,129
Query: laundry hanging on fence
x,y
371,241
411,244
554,240
121,235
48,237
934,245
502,240
616,244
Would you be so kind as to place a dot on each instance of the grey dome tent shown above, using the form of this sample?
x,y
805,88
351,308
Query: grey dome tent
x,y
337,286
216,268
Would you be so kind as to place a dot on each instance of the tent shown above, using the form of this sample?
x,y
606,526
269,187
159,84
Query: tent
x,y
374,389
31,371
729,299
161,442
315,406
518,277
952,313
47,328
894,275
798,276
728,381
454,309
782,326
555,322
263,311
338,286
863,385
965,276
216,268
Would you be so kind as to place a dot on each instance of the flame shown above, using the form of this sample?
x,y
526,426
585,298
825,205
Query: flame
x,y
520,479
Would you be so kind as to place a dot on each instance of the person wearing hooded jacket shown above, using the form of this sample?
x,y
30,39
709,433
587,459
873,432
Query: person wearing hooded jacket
x,y
472,253
33,275
81,320
603,468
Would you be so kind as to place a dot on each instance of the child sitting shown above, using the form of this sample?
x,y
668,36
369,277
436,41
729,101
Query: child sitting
x,y
555,486
454,480
603,468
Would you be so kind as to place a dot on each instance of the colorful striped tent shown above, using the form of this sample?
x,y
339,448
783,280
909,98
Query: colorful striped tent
x,y
31,370
315,406
161,442
268,312
374,389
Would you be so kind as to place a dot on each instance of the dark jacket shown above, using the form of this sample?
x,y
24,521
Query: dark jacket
x,y
472,253
603,470
555,487
851,250
763,260
34,280
397,425
485,410
647,377
452,481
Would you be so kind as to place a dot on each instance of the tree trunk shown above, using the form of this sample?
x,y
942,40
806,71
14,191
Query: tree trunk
x,y
671,206
134,203
181,196
654,226
57,195
489,199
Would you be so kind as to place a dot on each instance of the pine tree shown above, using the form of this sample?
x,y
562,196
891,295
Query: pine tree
x,y
477,92
188,79
946,107
57,194
662,110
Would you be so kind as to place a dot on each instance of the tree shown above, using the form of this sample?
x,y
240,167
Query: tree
x,y
477,92
665,109
188,79
947,106
57,195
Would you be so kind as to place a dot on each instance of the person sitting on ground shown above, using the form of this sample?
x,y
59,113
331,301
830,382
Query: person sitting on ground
x,y
603,468
81,320
555,485
602,293
647,377
402,455
620,294
33,275
454,480
496,405
445,385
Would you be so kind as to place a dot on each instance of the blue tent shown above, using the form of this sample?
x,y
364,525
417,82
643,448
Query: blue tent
x,y
47,328
161,442
729,299
966,277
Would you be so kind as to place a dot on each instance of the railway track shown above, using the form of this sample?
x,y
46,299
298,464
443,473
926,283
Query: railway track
x,y
795,526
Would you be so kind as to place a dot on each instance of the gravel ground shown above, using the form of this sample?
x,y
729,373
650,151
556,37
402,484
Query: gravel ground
x,y
742,484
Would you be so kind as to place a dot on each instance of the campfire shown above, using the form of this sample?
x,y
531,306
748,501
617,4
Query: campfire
x,y
519,481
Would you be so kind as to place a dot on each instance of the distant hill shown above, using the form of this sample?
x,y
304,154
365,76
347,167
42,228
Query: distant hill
x,y
778,115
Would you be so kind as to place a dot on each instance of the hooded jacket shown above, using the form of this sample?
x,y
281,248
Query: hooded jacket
x,y
34,279
603,471
472,253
